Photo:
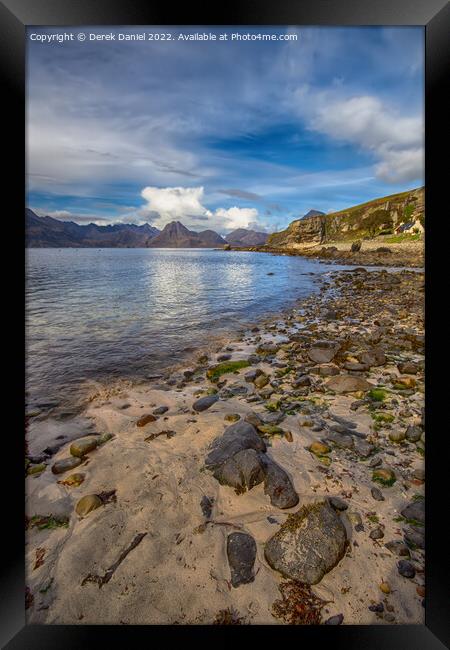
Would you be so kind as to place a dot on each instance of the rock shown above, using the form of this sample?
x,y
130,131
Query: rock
x,y
348,384
373,357
397,436
160,410
223,357
377,494
397,548
232,417
326,370
36,469
308,545
65,464
376,533
335,620
261,380
356,520
206,504
74,480
356,246
146,419
414,537
204,403
87,503
408,368
267,349
363,448
385,588
413,433
251,375
278,485
379,607
419,474
406,569
104,438
302,380
241,552
375,462
322,352
405,382
415,510
319,449
385,476
83,446
242,472
337,503
340,440
236,437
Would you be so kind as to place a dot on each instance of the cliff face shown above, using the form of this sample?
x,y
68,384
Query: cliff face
x,y
385,215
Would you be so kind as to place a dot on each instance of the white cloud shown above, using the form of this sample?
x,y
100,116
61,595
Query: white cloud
x,y
238,217
396,141
186,204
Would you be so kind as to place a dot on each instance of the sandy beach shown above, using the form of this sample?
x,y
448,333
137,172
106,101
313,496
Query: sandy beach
x,y
331,393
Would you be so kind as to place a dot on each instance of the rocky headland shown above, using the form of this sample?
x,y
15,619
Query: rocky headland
x,y
279,480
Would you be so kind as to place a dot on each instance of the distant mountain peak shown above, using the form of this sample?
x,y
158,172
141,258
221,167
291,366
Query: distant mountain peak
x,y
313,213
246,237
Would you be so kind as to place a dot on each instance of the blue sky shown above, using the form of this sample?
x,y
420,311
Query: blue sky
x,y
222,134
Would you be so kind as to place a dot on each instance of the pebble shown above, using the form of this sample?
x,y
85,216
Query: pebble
x,y
377,494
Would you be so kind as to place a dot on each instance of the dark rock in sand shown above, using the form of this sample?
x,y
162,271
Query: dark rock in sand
x,y
204,403
415,510
335,620
252,374
308,545
278,485
224,357
241,552
414,537
377,494
398,548
376,533
408,368
206,504
406,569
338,504
235,438
374,357
160,410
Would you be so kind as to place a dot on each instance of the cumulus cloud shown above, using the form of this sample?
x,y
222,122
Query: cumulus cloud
x,y
395,140
186,204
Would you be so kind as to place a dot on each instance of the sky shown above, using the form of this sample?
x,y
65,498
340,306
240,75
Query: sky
x,y
221,134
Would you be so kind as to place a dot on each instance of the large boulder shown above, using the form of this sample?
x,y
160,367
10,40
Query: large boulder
x,y
235,438
241,552
308,545
348,384
242,472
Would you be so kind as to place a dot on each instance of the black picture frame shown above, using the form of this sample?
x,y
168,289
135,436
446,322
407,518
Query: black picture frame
x,y
434,15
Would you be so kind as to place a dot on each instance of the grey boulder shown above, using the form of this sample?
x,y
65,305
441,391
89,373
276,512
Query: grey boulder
x,y
204,403
235,438
308,545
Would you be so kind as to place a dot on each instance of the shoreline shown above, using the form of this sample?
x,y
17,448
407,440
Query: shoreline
x,y
178,571
372,253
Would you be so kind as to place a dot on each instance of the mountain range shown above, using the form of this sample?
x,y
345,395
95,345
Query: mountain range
x,y
48,232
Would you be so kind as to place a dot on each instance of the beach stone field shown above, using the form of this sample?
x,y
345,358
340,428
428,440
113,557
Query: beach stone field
x,y
277,480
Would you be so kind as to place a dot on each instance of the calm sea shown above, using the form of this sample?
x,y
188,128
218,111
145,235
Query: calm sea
x,y
101,314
